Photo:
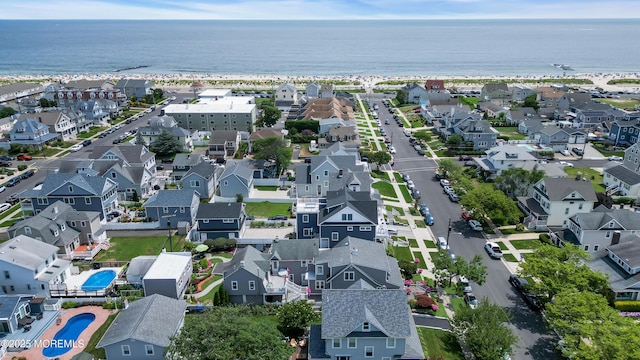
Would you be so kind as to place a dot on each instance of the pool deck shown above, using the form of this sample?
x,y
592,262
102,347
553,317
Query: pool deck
x,y
65,314
74,282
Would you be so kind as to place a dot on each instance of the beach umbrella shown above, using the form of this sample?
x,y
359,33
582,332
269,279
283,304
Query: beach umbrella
x,y
202,248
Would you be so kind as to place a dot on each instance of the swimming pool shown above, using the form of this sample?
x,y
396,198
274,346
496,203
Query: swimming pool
x,y
66,338
99,280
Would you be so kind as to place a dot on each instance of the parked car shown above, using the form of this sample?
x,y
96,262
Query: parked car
x,y
86,142
464,157
564,163
116,141
565,152
471,300
2,189
387,140
25,157
27,174
5,163
415,193
102,135
428,219
466,216
410,185
454,197
8,158
475,225
4,207
76,147
615,158
279,217
422,152
442,243
392,150
448,190
406,177
578,151
12,199
392,231
13,181
424,210
493,250
440,176
521,284
444,183
159,167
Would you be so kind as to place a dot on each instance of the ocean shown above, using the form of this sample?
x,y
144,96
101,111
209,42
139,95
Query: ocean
x,y
320,48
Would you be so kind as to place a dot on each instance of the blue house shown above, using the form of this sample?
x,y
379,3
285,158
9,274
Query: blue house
x,y
624,133
237,178
138,88
82,192
365,323
215,220
31,132
171,207
202,178
13,311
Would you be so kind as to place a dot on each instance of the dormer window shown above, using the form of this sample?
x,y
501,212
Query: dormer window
x,y
55,233
611,225
63,227
70,188
366,326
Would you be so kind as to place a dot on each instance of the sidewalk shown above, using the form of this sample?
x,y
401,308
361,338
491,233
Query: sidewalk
x,y
373,137
211,286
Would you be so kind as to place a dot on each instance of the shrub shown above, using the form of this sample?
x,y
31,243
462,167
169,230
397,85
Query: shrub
x,y
68,305
544,238
204,263
627,305
22,167
424,302
520,227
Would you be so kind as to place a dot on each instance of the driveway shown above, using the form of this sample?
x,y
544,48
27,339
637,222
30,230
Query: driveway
x,y
432,322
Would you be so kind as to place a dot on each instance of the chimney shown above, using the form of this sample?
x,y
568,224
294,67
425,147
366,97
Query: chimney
x,y
354,251
616,238
579,176
242,263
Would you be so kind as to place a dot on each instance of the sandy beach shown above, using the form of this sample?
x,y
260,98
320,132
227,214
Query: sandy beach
x,y
182,81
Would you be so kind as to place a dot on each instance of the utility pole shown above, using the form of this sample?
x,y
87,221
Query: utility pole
x,y
448,232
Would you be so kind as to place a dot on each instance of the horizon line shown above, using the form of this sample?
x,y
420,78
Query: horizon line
x,y
341,19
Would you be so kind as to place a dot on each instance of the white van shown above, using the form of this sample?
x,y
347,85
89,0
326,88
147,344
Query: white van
x,y
442,242
392,231
4,207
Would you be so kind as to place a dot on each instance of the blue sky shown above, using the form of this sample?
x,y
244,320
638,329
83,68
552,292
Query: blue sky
x,y
317,9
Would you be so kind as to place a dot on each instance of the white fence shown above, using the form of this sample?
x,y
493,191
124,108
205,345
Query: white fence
x,y
132,226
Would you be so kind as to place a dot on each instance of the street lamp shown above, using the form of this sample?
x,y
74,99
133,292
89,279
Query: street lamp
x,y
448,232
168,217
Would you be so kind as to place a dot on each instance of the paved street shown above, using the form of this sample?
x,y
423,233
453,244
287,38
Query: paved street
x,y
535,341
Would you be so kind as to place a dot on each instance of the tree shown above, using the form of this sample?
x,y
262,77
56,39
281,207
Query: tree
x,y
447,269
228,333
483,330
166,144
216,298
295,316
591,329
239,198
454,141
380,158
6,111
560,268
135,197
270,115
407,268
531,101
402,96
486,201
424,135
516,182
273,149
224,296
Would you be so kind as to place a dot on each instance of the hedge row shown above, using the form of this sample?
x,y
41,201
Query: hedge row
x,y
627,305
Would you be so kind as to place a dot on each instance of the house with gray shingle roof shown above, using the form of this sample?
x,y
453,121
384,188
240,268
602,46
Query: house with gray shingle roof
x,y
296,257
57,121
561,138
182,163
503,157
220,220
414,93
531,128
12,310
147,135
29,131
172,207
365,324
134,87
131,155
144,329
237,178
495,91
594,231
19,90
286,95
202,178
224,143
553,201
312,179
94,111
31,266
621,265
82,192
347,213
624,179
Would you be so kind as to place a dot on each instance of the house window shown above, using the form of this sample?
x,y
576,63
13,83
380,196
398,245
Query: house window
x,y
206,221
352,343
580,206
365,228
307,232
349,276
195,183
326,183
303,263
607,234
343,357
70,188
227,221
319,270
391,343
225,183
566,211
165,209
366,326
305,218
83,224
368,351
319,284
126,350
182,209
337,343
349,228
252,285
586,248
7,275
27,230
43,201
347,217
73,224
596,247
87,201
234,285
148,349
335,236
70,201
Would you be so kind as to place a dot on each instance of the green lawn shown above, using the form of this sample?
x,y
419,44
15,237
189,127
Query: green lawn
x,y
5,215
509,258
471,102
429,244
266,188
421,224
213,279
380,175
126,248
398,209
224,255
94,130
405,194
398,177
413,243
440,344
210,295
402,253
95,338
266,209
9,223
503,247
385,189
509,231
418,255
593,175
525,244
627,104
